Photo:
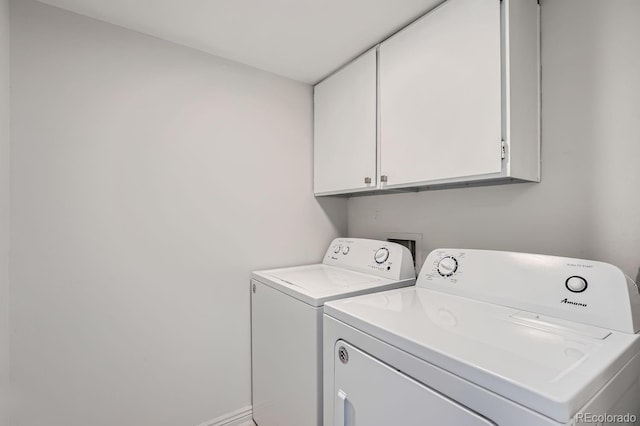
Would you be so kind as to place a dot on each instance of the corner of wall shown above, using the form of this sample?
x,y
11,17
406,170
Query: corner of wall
x,y
4,211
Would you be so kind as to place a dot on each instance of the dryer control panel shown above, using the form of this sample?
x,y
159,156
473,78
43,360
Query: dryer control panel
x,y
380,258
578,290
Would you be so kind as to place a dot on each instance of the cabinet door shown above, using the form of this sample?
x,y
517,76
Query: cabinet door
x,y
440,96
345,128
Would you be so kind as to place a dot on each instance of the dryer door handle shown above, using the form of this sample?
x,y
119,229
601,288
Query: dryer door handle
x,y
341,409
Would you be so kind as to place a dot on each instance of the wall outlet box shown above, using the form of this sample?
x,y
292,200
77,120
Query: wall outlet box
x,y
412,241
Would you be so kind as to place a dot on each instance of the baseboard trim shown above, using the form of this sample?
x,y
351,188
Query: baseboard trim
x,y
235,418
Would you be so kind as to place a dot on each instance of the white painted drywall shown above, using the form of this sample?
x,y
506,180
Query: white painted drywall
x,y
587,204
147,181
4,211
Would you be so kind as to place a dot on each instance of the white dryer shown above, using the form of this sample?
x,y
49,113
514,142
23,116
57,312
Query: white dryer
x,y
487,338
286,323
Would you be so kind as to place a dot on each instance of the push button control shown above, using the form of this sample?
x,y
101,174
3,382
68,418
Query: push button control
x,y
576,284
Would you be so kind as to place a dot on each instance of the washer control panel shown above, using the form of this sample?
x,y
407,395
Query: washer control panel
x,y
578,290
380,258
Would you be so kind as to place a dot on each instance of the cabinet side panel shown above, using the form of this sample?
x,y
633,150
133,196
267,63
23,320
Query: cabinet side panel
x,y
345,128
523,30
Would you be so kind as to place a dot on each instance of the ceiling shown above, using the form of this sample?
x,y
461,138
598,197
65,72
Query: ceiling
x,y
301,39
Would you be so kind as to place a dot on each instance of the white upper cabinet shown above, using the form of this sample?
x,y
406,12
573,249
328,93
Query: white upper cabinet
x,y
345,129
457,104
440,95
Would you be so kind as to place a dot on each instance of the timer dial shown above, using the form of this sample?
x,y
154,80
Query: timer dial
x,y
337,248
381,255
447,266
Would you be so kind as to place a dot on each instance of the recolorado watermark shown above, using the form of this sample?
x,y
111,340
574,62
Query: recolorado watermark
x,y
605,418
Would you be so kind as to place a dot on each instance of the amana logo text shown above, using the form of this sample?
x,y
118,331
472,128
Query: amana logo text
x,y
569,302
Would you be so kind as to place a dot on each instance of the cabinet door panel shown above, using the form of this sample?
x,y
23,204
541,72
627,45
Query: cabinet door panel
x,y
345,128
440,95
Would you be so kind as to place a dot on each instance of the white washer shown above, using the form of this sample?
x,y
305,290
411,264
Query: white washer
x,y
487,338
286,323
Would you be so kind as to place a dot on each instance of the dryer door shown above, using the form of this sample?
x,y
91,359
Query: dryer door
x,y
368,392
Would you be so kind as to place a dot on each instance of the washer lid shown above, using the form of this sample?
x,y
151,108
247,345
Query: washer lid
x,y
551,366
316,284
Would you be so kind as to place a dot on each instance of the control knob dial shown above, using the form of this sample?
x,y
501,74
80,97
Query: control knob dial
x,y
447,266
381,256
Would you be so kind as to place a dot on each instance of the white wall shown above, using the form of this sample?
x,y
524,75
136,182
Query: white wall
x,y
147,181
587,204
4,210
